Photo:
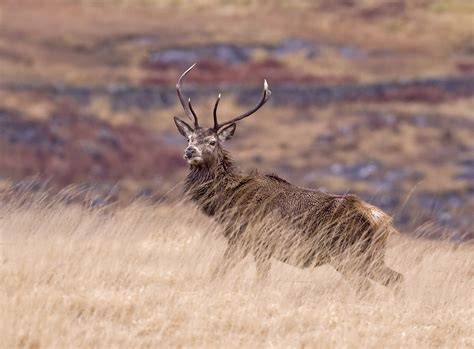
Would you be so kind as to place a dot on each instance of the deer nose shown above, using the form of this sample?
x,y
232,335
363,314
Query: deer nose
x,y
189,153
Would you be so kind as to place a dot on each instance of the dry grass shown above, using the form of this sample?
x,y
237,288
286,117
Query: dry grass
x,y
139,277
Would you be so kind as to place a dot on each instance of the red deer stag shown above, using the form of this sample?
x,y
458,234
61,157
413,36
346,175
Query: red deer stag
x,y
271,218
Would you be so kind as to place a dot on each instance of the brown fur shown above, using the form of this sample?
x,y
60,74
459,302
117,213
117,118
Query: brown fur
x,y
321,228
270,217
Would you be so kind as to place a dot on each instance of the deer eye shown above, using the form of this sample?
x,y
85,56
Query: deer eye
x,y
213,143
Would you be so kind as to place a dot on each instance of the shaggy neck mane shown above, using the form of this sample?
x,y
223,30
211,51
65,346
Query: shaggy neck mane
x,y
208,183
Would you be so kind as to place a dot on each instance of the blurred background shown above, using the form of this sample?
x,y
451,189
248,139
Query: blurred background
x,y
369,97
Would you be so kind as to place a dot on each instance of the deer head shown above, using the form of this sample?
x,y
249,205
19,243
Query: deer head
x,y
205,144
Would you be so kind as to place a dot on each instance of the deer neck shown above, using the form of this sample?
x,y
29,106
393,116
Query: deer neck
x,y
209,184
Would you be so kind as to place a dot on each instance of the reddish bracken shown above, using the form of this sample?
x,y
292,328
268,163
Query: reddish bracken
x,y
68,148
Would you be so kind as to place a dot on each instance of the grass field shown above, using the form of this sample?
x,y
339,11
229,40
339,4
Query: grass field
x,y
76,109
139,277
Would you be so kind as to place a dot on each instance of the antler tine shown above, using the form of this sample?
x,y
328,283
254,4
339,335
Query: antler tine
x,y
187,108
265,96
196,123
216,124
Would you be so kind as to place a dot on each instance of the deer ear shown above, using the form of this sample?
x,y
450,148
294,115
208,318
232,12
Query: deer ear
x,y
227,132
183,127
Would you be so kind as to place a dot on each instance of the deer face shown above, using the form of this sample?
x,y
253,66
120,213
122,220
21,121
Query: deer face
x,y
205,144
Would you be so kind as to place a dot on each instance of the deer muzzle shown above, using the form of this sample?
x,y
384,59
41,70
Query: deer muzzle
x,y
191,153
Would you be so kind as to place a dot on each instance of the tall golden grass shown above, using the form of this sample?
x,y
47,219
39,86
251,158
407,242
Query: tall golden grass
x,y
140,277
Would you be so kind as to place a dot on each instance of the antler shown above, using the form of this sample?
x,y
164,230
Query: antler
x,y
265,96
216,124
188,109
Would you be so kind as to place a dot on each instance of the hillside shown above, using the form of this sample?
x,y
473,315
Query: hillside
x,y
369,97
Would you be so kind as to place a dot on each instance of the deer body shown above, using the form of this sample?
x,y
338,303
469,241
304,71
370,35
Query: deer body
x,y
271,218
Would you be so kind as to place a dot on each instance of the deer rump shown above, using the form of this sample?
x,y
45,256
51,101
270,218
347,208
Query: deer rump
x,y
269,217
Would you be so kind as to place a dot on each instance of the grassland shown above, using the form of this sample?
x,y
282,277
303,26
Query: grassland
x,y
138,277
